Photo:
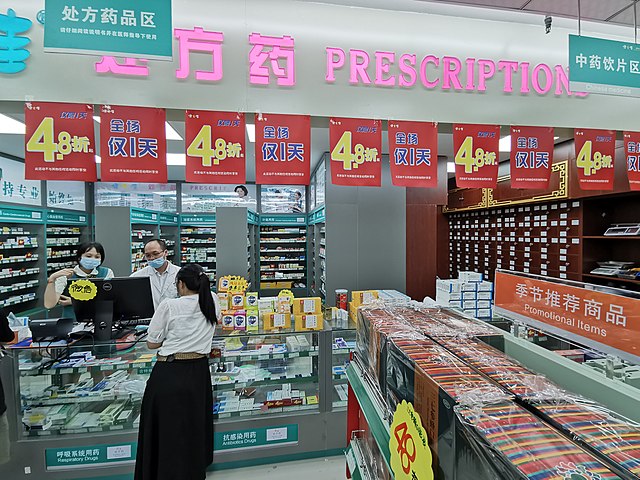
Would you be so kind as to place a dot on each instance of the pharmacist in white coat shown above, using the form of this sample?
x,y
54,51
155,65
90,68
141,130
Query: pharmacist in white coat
x,y
161,272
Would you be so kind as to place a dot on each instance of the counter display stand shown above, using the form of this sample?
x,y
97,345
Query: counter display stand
x,y
78,419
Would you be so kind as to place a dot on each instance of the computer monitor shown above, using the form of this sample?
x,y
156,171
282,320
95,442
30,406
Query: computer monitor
x,y
117,300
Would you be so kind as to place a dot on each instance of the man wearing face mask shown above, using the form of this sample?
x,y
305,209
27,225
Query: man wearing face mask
x,y
161,272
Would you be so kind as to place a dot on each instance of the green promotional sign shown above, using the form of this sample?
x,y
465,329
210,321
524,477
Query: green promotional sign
x,y
285,220
132,28
92,455
256,437
66,218
14,214
604,66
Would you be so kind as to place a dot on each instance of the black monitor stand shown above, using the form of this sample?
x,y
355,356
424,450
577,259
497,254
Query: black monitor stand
x,y
103,321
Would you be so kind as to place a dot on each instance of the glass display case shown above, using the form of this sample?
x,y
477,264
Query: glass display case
x,y
257,374
343,343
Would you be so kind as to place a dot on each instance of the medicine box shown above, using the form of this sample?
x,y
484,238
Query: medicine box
x,y
273,321
307,305
308,322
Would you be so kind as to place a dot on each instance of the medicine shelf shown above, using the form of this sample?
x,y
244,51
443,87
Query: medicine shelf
x,y
230,357
18,260
270,411
275,380
30,271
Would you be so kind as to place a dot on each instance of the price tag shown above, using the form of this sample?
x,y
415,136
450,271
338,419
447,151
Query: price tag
x,y
212,152
83,290
473,160
410,454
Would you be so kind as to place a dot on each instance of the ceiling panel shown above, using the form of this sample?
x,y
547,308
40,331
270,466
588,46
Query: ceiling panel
x,y
625,17
516,4
589,9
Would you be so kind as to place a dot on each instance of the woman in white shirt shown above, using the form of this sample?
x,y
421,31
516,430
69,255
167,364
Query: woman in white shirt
x,y
175,438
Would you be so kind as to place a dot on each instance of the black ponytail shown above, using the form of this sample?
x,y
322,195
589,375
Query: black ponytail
x,y
195,279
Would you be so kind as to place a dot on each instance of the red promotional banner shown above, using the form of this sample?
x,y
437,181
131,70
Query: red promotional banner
x,y
356,150
632,154
476,156
595,151
133,144
59,142
283,149
413,154
215,143
531,157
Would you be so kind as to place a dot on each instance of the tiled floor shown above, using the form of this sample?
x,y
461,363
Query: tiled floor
x,y
332,468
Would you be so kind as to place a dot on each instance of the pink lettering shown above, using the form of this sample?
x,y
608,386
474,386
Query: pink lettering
x,y
471,62
280,54
509,69
383,61
423,71
524,82
199,40
407,67
359,69
535,77
486,70
129,67
335,59
450,75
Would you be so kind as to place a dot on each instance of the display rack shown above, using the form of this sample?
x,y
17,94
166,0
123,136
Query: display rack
x,y
543,239
198,241
169,231
317,253
283,253
22,258
253,257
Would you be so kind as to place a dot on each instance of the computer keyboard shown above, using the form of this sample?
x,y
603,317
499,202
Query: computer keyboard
x,y
134,323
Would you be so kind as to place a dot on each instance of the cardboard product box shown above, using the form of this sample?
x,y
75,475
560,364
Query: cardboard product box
x,y
448,286
223,297
307,305
502,431
251,300
483,295
470,276
276,321
253,320
227,319
240,320
469,295
312,321
363,297
237,301
433,379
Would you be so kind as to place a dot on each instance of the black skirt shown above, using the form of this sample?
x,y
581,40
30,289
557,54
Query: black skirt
x,y
175,438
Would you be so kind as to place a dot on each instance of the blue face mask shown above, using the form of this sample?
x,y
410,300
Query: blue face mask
x,y
156,262
89,263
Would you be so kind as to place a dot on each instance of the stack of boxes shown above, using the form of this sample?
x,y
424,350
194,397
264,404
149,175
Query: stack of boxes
x,y
468,293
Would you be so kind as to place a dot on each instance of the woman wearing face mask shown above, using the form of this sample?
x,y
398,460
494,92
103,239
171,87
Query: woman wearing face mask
x,y
89,256
175,438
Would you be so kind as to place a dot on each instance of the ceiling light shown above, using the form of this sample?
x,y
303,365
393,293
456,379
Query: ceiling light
x,y
251,132
170,132
11,126
451,167
179,159
505,144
